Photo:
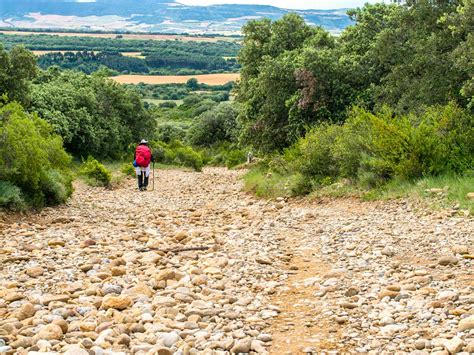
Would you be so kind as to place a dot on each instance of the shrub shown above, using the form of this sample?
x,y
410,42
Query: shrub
x,y
32,159
235,157
176,153
188,157
11,196
96,171
127,169
56,186
372,149
217,125
168,132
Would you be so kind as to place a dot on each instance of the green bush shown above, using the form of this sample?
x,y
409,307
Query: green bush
x,y
127,169
32,159
93,114
188,157
216,125
176,153
96,171
373,149
235,157
168,132
11,196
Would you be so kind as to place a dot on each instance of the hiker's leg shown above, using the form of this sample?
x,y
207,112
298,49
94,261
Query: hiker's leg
x,y
139,177
147,175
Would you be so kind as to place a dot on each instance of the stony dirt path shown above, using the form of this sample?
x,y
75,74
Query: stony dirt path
x,y
283,277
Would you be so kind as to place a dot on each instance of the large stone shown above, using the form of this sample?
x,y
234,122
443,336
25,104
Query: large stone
x,y
169,339
56,243
139,289
120,302
165,275
49,332
263,260
466,324
35,271
23,342
47,299
448,260
454,345
27,310
76,350
388,293
242,346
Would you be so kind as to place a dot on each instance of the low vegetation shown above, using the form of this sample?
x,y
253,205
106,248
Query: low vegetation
x,y
385,109
88,54
34,167
95,173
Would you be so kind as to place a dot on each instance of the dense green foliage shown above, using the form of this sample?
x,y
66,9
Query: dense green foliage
x,y
180,91
94,115
406,56
387,102
55,42
177,153
96,172
152,63
17,69
217,125
33,163
160,57
372,149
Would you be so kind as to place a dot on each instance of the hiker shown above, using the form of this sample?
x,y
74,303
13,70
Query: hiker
x,y
141,161
249,158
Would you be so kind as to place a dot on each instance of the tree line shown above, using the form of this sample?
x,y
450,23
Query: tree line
x,y
391,98
48,116
153,63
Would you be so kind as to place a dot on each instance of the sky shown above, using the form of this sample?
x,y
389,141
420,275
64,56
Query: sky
x,y
287,4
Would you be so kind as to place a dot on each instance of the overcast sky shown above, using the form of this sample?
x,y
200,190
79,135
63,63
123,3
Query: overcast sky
x,y
287,4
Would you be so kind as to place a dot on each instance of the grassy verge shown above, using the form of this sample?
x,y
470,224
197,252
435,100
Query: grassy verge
x,y
438,192
267,185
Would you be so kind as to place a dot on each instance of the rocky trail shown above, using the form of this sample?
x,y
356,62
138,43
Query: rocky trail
x,y
279,277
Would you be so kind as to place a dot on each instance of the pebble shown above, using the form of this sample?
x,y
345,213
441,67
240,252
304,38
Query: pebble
x,y
272,275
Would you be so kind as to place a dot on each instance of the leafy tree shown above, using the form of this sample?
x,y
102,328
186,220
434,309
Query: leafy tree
x,y
192,84
94,115
215,126
417,48
33,163
462,25
17,69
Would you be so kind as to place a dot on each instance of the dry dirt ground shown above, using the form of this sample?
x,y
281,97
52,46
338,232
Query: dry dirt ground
x,y
109,273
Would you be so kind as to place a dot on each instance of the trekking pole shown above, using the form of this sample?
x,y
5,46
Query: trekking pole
x,y
153,181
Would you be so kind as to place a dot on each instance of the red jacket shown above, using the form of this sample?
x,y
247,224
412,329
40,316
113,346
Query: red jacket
x,y
143,156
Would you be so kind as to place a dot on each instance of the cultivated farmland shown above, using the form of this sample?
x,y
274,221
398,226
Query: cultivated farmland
x,y
209,79
142,36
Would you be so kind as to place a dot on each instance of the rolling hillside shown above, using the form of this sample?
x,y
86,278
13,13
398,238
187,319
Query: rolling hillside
x,y
150,15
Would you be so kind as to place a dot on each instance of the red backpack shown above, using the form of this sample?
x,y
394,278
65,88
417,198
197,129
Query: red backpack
x,y
143,156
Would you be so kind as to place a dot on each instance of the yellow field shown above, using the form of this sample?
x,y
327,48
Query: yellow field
x,y
209,79
124,36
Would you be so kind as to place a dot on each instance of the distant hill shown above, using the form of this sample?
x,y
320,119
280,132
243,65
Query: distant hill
x,y
164,16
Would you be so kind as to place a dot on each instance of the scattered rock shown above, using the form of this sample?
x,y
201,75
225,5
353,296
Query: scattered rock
x,y
116,302
448,260
466,323
454,345
49,332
